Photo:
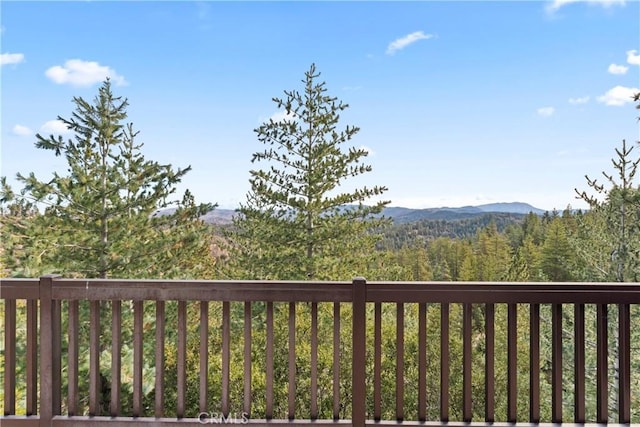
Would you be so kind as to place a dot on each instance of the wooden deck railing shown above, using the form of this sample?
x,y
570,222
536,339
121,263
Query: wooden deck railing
x,y
288,353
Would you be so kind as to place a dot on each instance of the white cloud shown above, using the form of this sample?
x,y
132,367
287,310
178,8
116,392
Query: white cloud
x,y
618,96
554,5
579,100
11,58
405,41
617,69
557,4
55,127
546,111
77,72
21,130
633,58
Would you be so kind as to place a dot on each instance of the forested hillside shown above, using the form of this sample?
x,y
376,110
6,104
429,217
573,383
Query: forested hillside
x,y
402,234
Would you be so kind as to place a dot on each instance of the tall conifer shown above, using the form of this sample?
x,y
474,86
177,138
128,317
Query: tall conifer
x,y
298,220
99,215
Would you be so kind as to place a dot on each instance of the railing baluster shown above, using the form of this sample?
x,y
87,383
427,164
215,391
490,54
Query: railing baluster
x,y
314,360
377,362
512,363
624,364
226,355
602,380
116,346
32,357
399,361
10,357
489,367
336,360
94,359
444,362
269,363
556,363
159,360
247,357
72,357
422,362
56,345
204,355
359,350
138,312
292,361
466,363
534,363
182,359
579,364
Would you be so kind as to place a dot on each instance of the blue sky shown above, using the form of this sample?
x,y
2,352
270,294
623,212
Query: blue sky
x,y
459,103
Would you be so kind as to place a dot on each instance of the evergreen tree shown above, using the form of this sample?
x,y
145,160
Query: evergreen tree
x,y
492,255
99,218
415,262
447,258
618,207
611,230
298,222
556,255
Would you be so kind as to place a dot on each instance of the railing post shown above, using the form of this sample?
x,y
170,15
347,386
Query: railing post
x,y
49,352
358,363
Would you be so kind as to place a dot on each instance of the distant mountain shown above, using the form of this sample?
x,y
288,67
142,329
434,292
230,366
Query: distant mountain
x,y
401,215
406,215
219,216
514,207
216,216
393,212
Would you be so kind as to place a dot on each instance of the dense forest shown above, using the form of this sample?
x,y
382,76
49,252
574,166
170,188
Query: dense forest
x,y
98,220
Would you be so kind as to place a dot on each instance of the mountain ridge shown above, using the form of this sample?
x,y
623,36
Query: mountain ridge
x,y
400,214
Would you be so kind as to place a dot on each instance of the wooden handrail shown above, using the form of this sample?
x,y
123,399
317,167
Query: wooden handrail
x,y
58,298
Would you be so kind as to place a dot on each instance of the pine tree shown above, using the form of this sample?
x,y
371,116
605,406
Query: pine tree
x,y
556,254
297,222
618,207
492,255
99,218
610,244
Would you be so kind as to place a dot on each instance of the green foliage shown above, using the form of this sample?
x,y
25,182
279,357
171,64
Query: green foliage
x,y
616,232
610,233
401,235
491,257
556,254
98,218
297,222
